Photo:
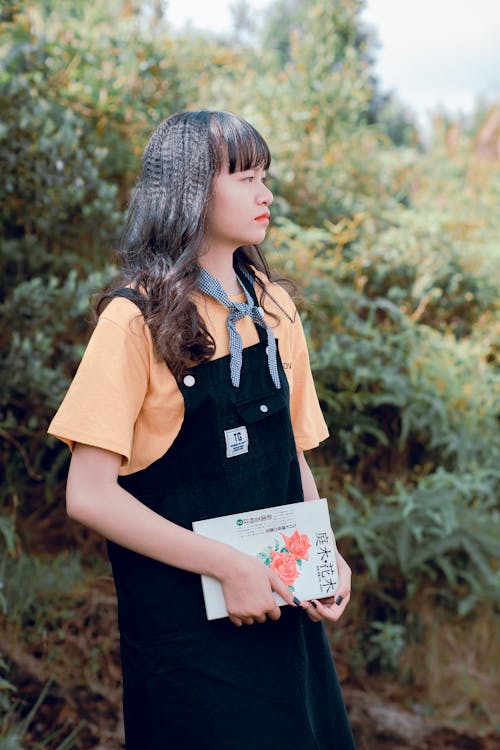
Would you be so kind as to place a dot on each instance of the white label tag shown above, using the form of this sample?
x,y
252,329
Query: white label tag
x,y
236,441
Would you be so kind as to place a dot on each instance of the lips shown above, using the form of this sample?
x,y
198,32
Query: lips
x,y
263,217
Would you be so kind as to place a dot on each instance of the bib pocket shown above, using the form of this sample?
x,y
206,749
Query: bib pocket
x,y
263,407
264,424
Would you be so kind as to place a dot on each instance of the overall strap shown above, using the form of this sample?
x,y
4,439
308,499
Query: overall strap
x,y
127,293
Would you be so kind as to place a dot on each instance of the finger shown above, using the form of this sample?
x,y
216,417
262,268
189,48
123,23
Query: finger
x,y
327,613
327,601
260,618
274,614
341,597
248,620
236,621
311,611
330,601
281,588
334,612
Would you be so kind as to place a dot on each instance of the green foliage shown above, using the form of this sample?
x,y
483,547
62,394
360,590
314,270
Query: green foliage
x,y
6,687
38,593
397,393
320,147
46,322
36,596
283,19
53,186
395,249
7,534
386,643
444,529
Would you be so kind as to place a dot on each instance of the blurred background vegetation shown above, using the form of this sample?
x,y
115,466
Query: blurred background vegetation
x,y
394,245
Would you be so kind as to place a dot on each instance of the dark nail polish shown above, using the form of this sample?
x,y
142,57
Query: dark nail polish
x,y
297,601
339,599
314,605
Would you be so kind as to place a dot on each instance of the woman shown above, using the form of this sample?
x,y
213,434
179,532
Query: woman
x,y
183,354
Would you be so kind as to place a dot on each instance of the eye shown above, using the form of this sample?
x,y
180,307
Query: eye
x,y
251,178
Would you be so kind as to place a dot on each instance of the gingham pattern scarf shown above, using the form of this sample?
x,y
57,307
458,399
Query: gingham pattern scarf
x,y
237,311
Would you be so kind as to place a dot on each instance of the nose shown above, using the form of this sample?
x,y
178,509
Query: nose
x,y
265,196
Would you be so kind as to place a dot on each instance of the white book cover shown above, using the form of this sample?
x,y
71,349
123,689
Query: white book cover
x,y
294,540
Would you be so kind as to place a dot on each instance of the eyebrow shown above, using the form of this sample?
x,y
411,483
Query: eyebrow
x,y
251,169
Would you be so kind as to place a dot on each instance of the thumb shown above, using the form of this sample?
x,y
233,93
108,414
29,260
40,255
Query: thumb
x,y
281,588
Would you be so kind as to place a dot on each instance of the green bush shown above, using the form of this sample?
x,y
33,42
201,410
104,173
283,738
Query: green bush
x,y
394,248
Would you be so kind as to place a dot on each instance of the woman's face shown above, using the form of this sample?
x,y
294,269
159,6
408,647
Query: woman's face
x,y
238,210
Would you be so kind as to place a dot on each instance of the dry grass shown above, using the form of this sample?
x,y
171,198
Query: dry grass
x,y
449,671
455,669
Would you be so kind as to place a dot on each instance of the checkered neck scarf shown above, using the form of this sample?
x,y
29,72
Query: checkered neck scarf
x,y
238,310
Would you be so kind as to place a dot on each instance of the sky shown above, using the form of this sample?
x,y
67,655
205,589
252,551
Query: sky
x,y
433,53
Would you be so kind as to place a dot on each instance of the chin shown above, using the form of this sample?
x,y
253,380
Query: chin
x,y
243,241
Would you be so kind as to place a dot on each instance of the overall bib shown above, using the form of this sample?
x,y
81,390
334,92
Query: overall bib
x,y
190,683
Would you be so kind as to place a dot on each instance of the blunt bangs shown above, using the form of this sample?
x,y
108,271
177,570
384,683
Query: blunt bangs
x,y
237,144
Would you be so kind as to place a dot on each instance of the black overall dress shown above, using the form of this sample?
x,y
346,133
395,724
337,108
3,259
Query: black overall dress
x,y
190,683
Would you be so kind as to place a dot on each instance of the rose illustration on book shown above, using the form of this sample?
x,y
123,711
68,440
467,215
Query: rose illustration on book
x,y
297,544
285,565
286,558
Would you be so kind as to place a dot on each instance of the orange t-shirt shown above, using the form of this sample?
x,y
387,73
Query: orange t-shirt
x,y
124,400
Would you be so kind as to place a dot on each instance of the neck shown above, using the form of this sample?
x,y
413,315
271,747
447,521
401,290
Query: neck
x,y
221,268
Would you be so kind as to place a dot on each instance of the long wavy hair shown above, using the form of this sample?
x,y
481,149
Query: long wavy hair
x,y
166,224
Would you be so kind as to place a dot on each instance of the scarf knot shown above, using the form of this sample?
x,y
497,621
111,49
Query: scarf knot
x,y
238,310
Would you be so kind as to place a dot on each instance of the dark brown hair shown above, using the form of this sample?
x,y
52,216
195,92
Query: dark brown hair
x,y
166,221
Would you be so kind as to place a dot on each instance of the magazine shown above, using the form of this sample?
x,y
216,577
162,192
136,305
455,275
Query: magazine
x,y
295,540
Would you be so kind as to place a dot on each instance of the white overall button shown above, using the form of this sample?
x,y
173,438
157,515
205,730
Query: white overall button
x,y
267,350
263,408
189,381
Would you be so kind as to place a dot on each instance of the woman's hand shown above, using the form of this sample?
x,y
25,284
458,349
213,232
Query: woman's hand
x,y
248,587
332,607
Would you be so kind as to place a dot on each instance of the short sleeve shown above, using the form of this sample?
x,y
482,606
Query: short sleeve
x,y
106,395
309,426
